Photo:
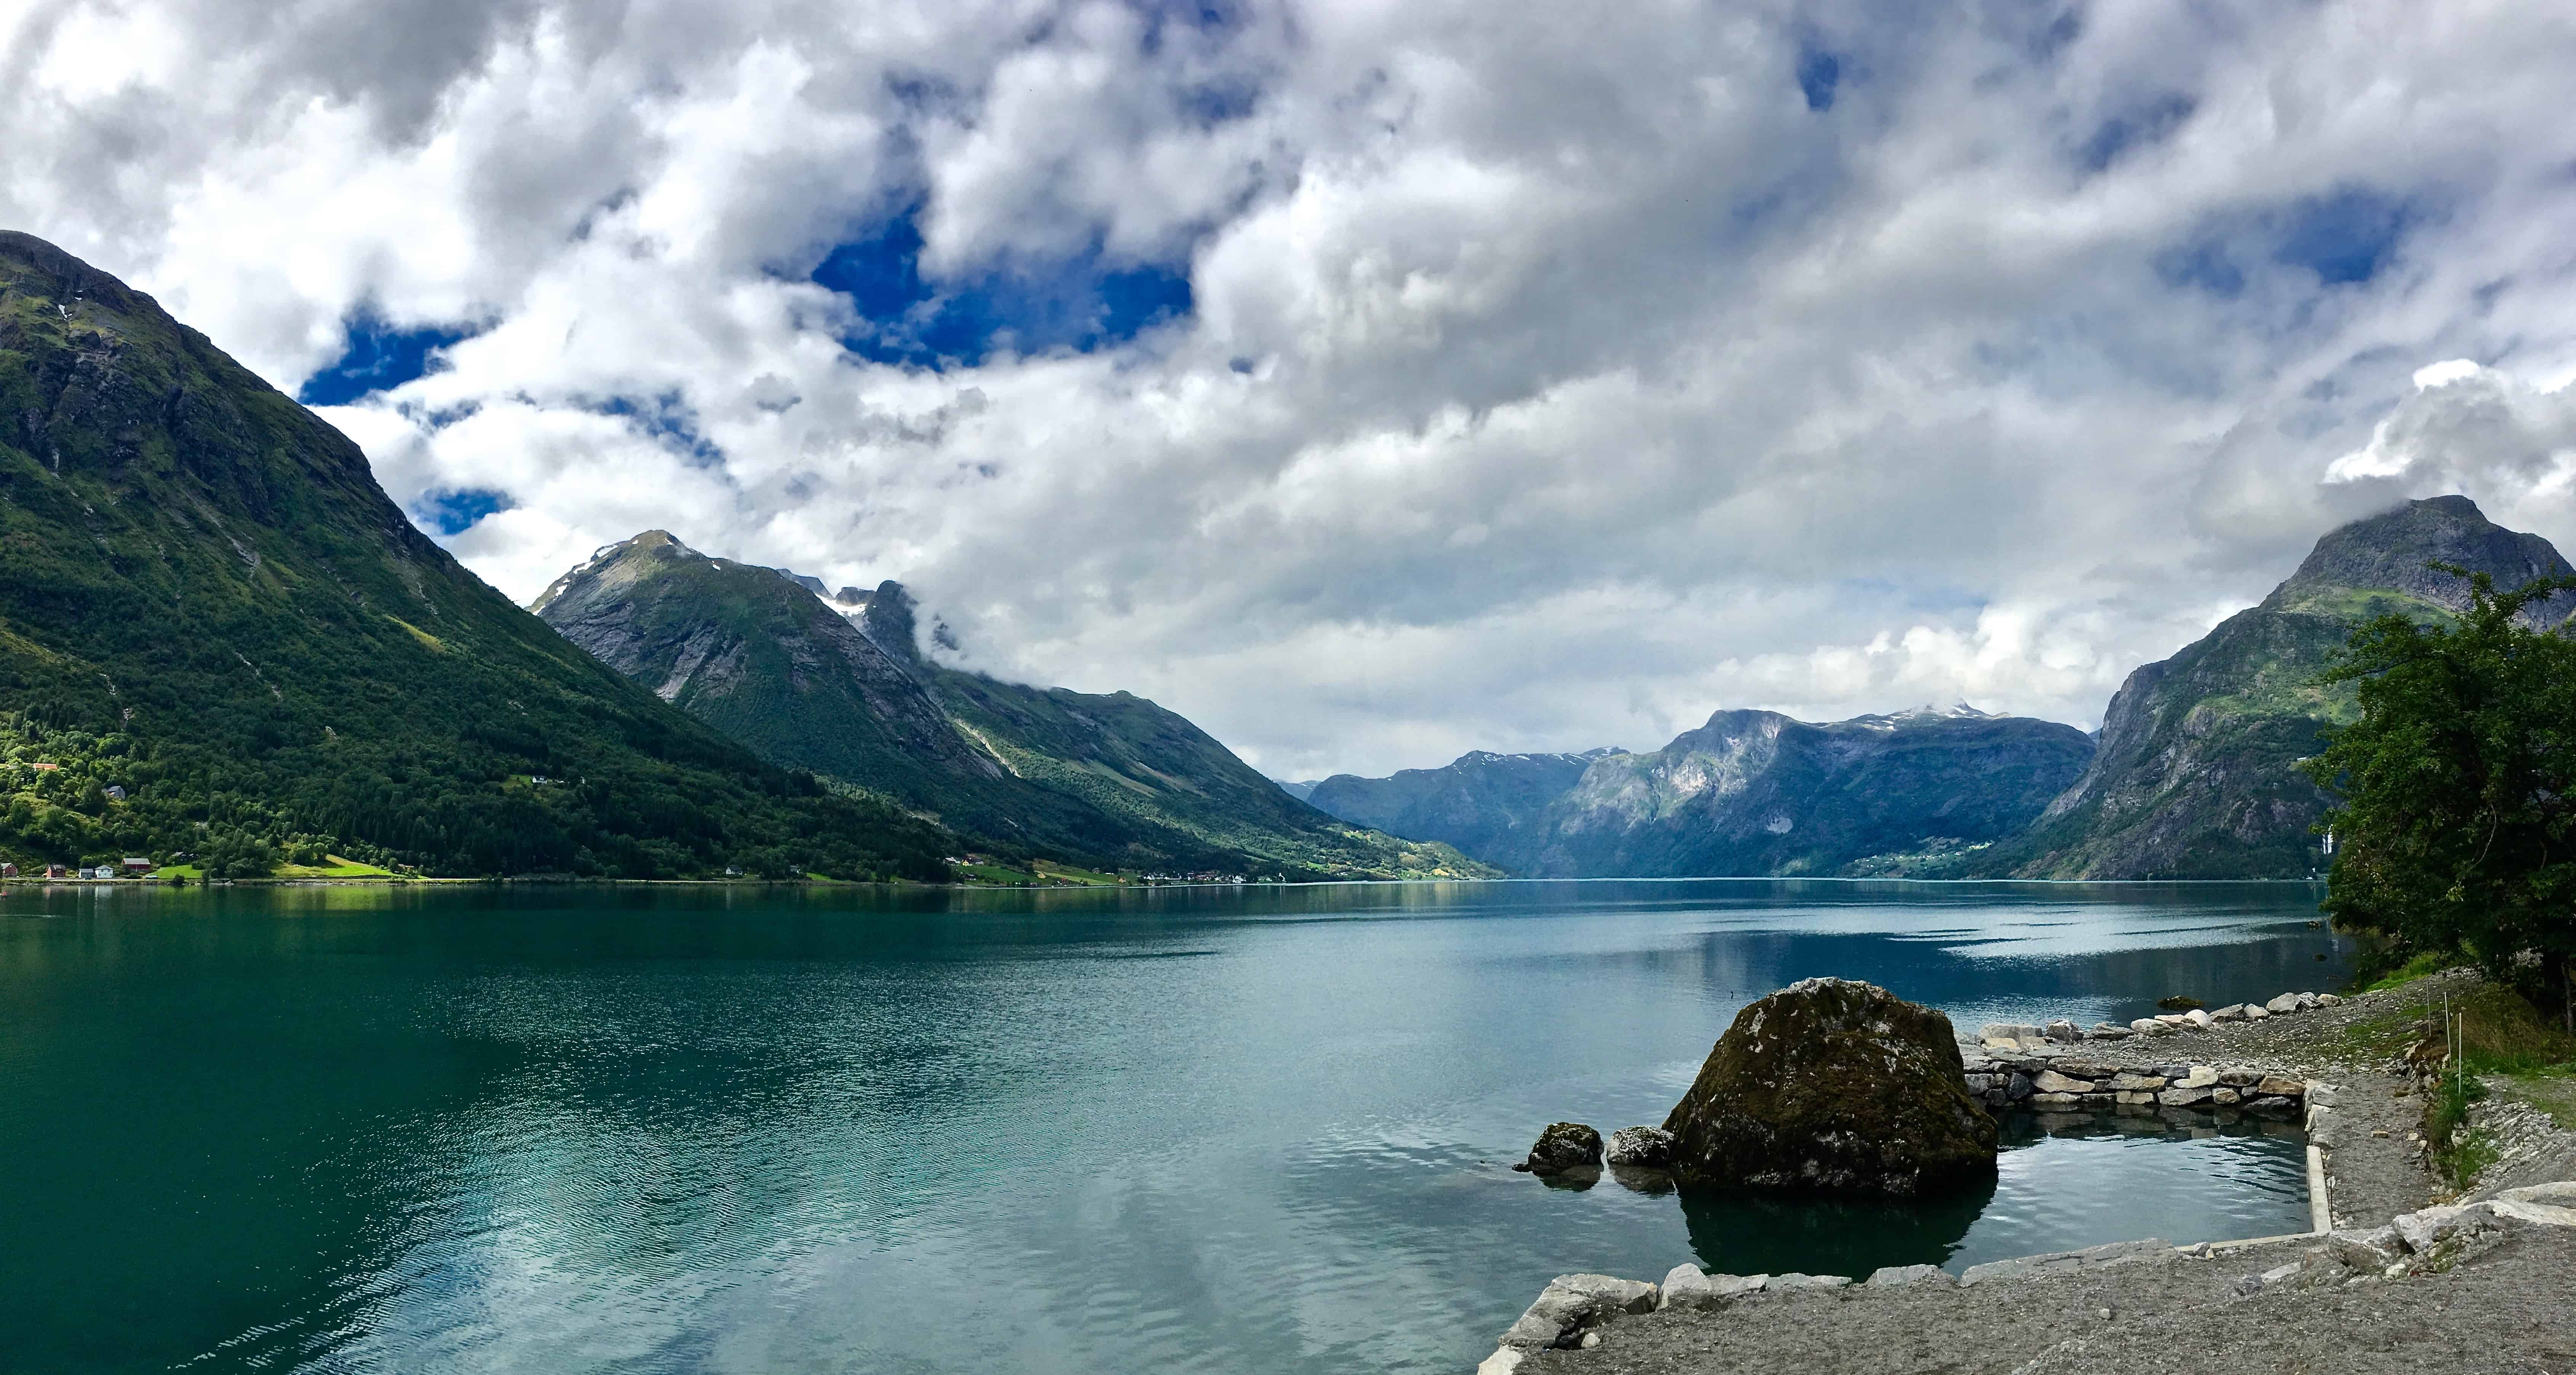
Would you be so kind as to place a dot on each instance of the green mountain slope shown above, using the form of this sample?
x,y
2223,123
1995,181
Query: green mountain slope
x,y
841,688
1480,802
206,600
2193,777
1755,792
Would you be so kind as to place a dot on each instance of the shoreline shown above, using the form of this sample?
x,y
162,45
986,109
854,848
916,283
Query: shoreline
x,y
2464,1298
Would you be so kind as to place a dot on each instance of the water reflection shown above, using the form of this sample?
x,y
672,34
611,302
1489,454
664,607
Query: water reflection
x,y
734,1129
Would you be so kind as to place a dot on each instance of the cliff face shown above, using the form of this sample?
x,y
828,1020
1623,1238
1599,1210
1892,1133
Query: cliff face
x,y
1481,803
2195,774
1756,793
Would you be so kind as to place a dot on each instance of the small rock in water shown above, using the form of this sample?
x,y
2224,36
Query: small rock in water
x,y
1646,1147
1563,1146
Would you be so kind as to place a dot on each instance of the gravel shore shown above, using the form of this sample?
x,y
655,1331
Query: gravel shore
x,y
2506,1309
2506,1304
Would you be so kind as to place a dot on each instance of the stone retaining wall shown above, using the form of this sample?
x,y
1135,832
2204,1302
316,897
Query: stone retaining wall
x,y
2128,1069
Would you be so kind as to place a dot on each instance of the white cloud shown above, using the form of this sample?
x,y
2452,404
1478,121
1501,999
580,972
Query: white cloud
x,y
1554,376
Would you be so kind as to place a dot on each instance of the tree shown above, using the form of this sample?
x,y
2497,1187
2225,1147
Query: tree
x,y
2458,787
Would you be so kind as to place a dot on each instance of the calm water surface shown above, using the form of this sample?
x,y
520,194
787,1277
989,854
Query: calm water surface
x,y
539,1129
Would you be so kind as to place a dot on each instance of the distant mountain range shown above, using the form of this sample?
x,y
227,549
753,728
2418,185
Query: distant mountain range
x,y
2191,776
838,684
217,634
1749,793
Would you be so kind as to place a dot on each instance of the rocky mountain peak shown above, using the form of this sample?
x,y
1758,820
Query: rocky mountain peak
x,y
886,618
2389,553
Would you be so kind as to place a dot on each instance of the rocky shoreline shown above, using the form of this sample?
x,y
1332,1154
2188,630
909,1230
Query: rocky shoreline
x,y
2387,1254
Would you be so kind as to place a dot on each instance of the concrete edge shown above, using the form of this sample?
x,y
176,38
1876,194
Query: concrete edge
x,y
2320,1207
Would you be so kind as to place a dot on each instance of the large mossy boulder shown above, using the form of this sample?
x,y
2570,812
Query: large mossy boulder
x,y
1834,1086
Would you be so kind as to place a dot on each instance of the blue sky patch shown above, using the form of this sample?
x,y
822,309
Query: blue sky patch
x,y
2150,123
1082,303
376,358
2344,237
1819,72
667,418
455,512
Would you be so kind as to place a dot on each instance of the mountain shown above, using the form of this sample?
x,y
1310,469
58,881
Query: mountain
x,y
207,604
2194,776
1301,789
1756,792
1481,803
841,687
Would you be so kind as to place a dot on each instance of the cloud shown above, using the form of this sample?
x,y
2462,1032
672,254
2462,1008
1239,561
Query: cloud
x,y
1373,383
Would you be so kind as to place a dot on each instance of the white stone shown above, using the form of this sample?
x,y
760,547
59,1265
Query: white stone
x,y
2050,1081
2256,1012
2320,1095
2430,1227
1794,1280
1504,1361
2200,1077
2287,1002
2542,1214
2197,1017
2328,1000
2561,1194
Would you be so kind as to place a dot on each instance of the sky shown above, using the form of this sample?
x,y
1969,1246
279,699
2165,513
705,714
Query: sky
x,y
1371,383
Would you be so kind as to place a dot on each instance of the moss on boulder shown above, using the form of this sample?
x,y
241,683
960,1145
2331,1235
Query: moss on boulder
x,y
1834,1086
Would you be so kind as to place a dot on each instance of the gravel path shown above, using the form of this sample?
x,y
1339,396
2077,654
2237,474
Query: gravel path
x,y
2506,1309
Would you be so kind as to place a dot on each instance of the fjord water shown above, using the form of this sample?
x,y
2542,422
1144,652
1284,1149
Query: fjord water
x,y
1246,1130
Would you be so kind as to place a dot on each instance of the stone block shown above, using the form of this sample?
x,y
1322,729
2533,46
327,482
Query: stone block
x,y
2370,1252
2138,1083
2233,1012
2133,1098
2199,1077
2328,1000
2104,1031
2183,1097
2320,1095
2273,1107
2050,1081
2239,1078
2198,1017
2281,1086
2224,1096
2256,1012
1794,1280
2062,1031
1686,1286
1574,1304
2287,1002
